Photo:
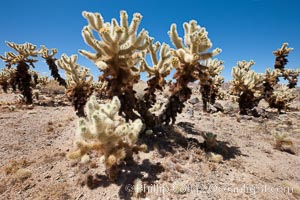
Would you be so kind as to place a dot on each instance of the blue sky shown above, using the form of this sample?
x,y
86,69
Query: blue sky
x,y
243,29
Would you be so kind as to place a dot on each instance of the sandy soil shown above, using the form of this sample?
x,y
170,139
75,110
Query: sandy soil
x,y
34,142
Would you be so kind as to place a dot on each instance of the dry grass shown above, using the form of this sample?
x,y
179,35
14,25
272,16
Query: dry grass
x,y
13,166
57,191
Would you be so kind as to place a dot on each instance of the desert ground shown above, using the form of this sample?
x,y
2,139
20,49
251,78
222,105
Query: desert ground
x,y
243,165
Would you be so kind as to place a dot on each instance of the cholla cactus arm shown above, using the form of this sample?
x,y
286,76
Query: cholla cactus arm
x,y
162,66
47,53
74,72
215,66
283,50
25,50
196,43
10,58
79,82
281,55
272,76
107,133
118,42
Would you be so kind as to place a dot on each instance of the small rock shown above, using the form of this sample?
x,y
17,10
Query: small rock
x,y
71,175
194,100
219,107
31,112
48,176
213,109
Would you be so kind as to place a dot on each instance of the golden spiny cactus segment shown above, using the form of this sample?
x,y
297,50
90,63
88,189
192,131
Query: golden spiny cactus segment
x,y
272,76
283,51
245,79
119,46
292,76
196,43
75,73
24,51
247,86
106,132
79,82
47,53
215,66
281,97
161,66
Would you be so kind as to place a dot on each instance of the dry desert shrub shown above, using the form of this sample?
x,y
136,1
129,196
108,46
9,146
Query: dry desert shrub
x,y
53,87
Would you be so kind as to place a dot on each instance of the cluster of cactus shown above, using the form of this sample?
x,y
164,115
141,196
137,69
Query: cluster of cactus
x,y
112,129
25,57
22,77
250,87
120,55
280,96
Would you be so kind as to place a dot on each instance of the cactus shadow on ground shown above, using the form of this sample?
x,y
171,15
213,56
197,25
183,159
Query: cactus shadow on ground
x,y
127,177
167,139
222,147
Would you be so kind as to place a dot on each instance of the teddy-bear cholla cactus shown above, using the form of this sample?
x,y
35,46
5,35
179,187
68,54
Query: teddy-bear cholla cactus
x,y
7,79
210,84
281,54
48,55
271,80
23,60
247,85
79,82
4,78
118,52
105,132
290,75
185,60
281,97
